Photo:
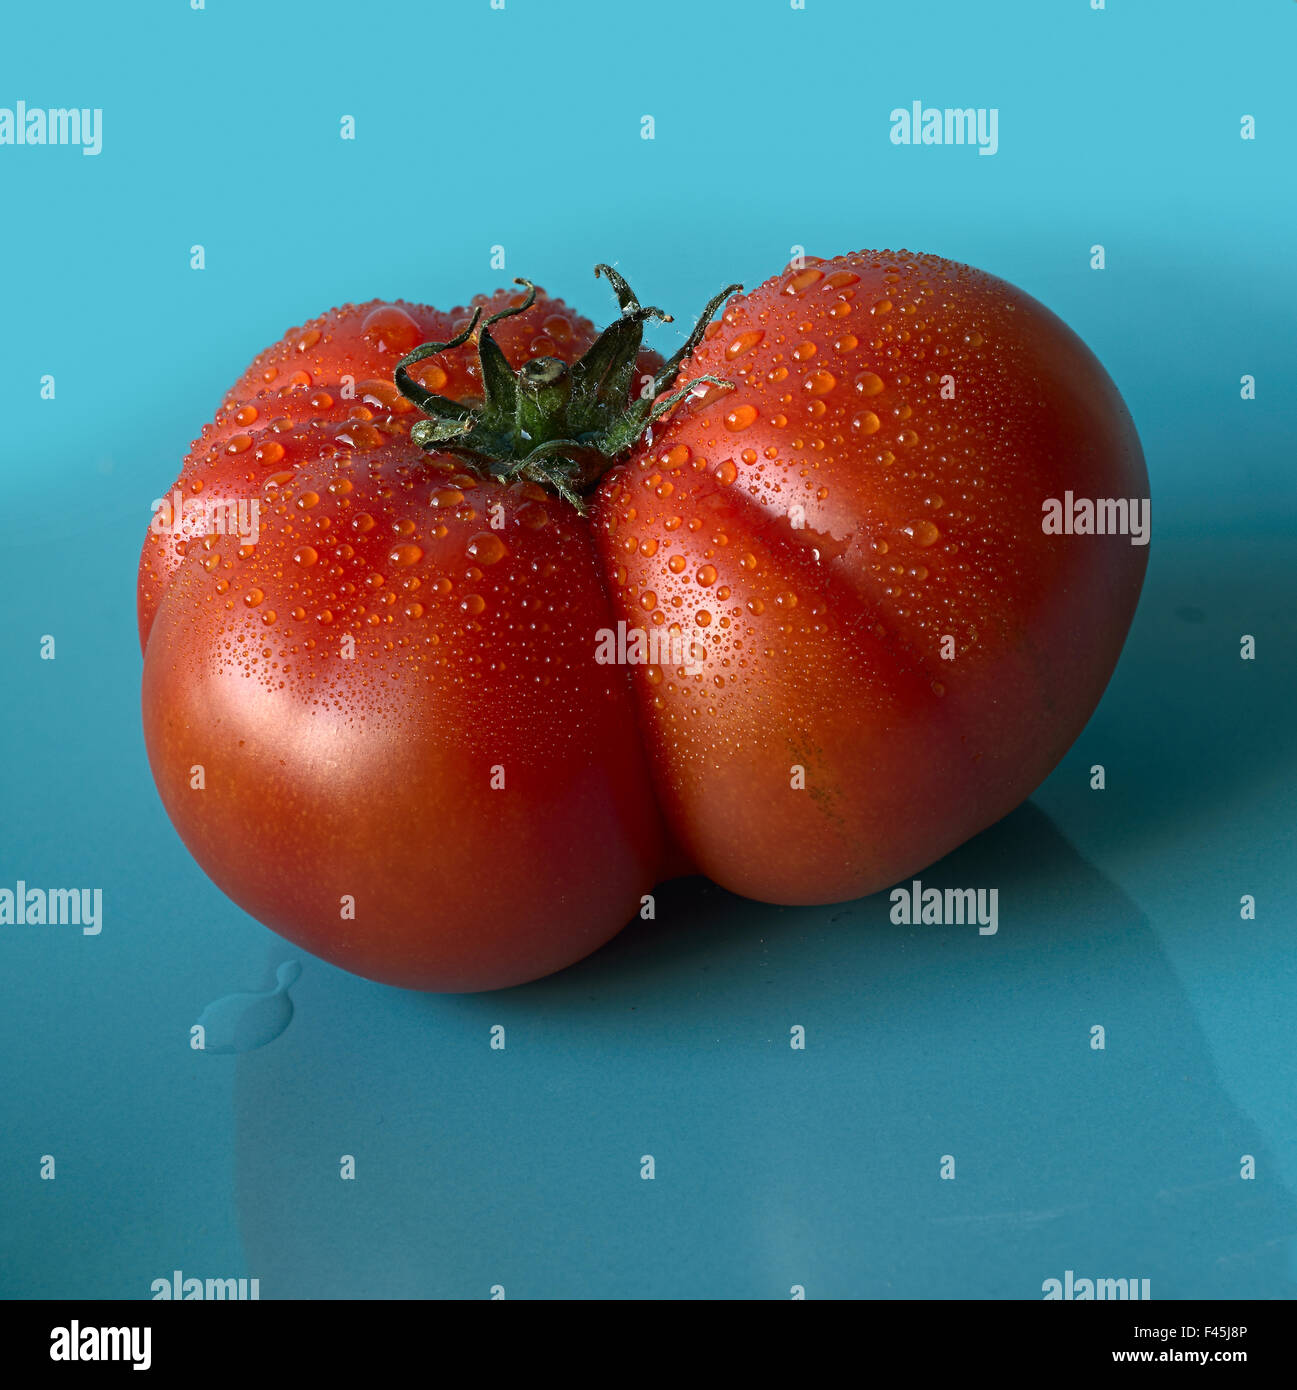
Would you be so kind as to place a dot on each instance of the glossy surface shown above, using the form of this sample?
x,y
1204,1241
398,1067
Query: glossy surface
x,y
895,652
883,651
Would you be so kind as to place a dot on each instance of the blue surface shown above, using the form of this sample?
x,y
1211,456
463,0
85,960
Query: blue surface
x,y
775,1168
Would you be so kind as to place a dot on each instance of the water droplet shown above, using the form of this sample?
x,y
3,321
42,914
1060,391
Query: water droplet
x,y
359,435
869,384
740,417
253,597
305,555
820,383
727,472
923,533
391,329
430,374
803,280
706,575
745,342
243,1022
473,604
487,548
239,444
447,497
405,555
533,516
246,415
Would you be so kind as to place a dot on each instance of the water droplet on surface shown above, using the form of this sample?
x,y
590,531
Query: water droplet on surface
x,y
487,548
244,1022
869,383
740,417
305,555
391,329
803,280
923,533
745,342
405,555
820,383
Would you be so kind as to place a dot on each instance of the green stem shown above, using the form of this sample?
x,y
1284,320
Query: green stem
x,y
554,423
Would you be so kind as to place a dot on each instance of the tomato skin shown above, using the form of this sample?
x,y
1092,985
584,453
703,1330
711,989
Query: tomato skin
x,y
919,519
375,776
382,728
334,369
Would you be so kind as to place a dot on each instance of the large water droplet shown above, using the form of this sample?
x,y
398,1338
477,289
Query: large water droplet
x,y
243,1022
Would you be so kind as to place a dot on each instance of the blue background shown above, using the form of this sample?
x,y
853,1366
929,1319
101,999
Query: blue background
x,y
774,1168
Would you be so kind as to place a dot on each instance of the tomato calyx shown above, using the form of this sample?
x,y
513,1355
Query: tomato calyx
x,y
557,424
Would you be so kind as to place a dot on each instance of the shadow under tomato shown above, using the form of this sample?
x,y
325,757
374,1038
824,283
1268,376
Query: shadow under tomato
x,y
521,1167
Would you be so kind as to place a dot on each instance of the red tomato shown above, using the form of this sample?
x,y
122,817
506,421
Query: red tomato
x,y
855,533
386,725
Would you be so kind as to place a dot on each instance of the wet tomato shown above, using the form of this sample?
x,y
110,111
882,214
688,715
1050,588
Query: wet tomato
x,y
463,630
